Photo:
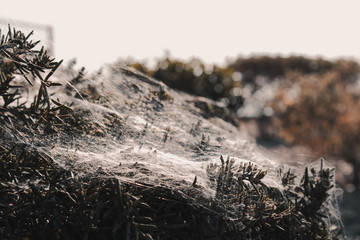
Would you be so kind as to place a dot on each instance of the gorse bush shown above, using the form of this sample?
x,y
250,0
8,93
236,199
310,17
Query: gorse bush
x,y
316,104
61,207
18,57
43,199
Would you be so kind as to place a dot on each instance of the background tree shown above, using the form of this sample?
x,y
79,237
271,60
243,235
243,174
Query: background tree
x,y
324,116
196,78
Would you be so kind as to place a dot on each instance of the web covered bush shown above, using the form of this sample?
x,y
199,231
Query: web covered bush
x,y
51,185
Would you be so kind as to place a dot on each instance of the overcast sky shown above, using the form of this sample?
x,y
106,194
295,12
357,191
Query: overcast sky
x,y
96,32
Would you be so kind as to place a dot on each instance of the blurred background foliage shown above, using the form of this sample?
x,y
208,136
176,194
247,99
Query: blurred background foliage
x,y
196,78
314,102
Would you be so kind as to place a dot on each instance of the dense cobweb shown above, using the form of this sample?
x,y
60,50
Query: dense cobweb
x,y
137,129
156,141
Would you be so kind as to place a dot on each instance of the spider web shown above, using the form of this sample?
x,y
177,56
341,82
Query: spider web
x,y
142,131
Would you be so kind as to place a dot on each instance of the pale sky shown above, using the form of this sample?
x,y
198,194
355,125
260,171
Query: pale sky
x,y
98,32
